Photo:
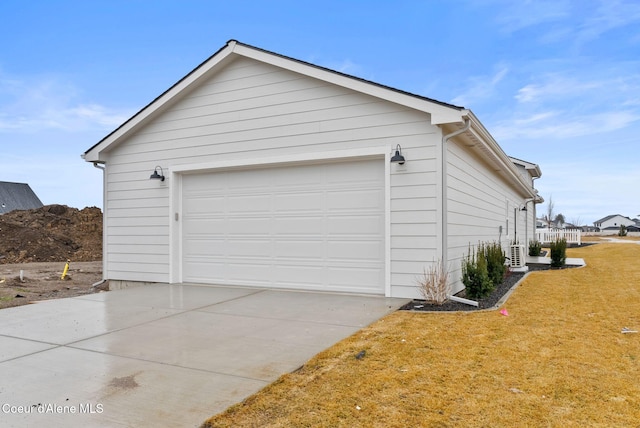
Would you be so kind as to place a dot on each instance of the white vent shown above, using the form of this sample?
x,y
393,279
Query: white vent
x,y
518,256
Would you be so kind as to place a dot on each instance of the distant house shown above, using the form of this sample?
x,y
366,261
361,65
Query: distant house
x,y
542,223
257,169
613,222
17,196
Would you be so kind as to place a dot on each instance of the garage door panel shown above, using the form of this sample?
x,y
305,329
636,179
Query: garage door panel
x,y
245,179
196,226
306,177
298,202
205,247
204,205
296,276
354,225
249,271
365,280
354,172
248,204
250,247
300,249
316,227
355,200
355,250
222,226
257,226
205,271
296,225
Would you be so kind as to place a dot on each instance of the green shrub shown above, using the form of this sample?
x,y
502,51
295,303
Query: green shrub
x,y
535,247
623,230
475,276
495,263
558,252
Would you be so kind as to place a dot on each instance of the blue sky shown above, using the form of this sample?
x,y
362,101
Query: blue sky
x,y
556,82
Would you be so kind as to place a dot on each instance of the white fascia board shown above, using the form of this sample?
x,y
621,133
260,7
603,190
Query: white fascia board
x,y
440,114
532,168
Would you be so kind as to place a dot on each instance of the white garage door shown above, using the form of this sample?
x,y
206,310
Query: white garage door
x,y
314,226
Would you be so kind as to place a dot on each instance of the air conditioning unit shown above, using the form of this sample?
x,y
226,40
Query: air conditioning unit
x,y
518,256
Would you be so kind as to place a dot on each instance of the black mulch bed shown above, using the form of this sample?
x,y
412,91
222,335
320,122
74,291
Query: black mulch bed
x,y
491,300
485,303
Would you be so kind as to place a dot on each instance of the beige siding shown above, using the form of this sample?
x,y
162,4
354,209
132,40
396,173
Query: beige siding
x,y
250,110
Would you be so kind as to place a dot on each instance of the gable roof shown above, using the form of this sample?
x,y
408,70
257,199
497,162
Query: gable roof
x,y
609,217
440,112
449,117
17,196
532,168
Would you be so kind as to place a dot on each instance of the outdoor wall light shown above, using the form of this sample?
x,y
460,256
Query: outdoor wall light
x,y
398,158
156,176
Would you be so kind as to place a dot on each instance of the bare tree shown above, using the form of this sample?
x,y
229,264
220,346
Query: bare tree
x,y
576,221
548,217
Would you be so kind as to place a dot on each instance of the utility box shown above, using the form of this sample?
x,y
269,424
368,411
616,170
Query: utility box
x,y
518,257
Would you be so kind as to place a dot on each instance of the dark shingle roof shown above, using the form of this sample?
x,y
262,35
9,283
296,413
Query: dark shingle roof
x,y
17,196
609,217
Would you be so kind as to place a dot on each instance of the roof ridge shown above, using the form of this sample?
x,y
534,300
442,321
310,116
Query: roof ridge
x,y
351,76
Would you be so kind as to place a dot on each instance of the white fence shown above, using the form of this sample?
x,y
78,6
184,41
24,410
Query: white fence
x,y
573,236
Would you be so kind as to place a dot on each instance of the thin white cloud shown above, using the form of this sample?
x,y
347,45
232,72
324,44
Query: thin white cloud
x,y
574,22
554,88
481,88
571,102
609,15
552,125
561,86
517,15
31,105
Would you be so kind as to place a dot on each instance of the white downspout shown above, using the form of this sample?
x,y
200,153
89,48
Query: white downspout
x,y
443,213
104,222
526,221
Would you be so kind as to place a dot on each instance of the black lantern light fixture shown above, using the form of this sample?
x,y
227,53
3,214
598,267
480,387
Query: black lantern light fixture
x,y
398,158
156,176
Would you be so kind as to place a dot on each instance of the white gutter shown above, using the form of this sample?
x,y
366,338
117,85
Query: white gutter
x,y
443,213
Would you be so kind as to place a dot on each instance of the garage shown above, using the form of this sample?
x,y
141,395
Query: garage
x,y
318,226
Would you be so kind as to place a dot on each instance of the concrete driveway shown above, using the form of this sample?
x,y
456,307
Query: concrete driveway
x,y
163,355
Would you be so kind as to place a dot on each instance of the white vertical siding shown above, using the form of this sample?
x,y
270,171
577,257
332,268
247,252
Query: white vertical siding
x,y
250,110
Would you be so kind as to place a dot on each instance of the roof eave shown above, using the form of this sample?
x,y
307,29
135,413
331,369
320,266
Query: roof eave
x,y
533,168
490,150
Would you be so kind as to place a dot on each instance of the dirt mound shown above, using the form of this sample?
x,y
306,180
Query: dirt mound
x,y
53,233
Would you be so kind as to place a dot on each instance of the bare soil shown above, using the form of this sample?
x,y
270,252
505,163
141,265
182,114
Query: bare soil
x,y
38,243
42,281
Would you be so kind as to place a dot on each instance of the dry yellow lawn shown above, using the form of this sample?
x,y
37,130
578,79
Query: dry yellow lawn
x,y
558,360
605,238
